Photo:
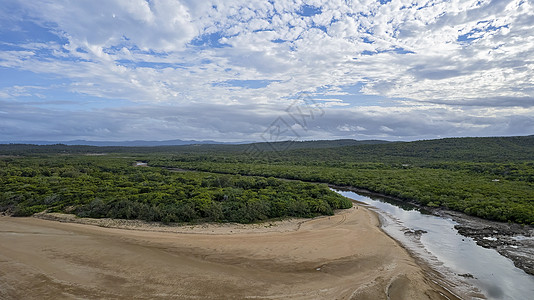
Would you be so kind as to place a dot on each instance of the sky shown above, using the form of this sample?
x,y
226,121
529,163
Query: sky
x,y
116,70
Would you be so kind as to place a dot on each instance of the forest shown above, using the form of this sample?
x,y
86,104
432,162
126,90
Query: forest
x,y
492,178
114,187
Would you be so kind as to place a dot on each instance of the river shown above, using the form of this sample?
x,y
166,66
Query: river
x,y
456,257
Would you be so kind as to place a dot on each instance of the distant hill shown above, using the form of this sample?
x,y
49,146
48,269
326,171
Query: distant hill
x,y
285,145
470,149
479,149
173,146
137,143
317,144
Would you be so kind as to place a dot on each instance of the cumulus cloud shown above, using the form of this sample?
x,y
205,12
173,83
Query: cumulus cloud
x,y
160,25
458,68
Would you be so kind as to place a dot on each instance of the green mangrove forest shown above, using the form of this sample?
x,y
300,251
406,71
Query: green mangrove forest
x,y
491,178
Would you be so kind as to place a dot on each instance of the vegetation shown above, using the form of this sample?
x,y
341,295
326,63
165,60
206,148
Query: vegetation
x,y
103,186
496,197
492,178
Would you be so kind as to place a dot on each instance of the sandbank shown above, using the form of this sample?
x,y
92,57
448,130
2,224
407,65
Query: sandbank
x,y
346,256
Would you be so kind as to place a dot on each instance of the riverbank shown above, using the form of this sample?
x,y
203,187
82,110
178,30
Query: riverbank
x,y
512,241
339,257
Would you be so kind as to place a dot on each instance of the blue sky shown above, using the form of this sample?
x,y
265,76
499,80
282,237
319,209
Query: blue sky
x,y
228,70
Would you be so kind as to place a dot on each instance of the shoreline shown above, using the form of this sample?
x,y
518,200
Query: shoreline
x,y
285,225
365,262
500,236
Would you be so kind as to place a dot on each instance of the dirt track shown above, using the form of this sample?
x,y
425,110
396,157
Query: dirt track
x,y
340,257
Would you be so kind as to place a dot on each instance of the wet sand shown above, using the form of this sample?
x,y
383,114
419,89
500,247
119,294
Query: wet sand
x,y
345,256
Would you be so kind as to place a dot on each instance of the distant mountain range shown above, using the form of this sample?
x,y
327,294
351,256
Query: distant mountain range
x,y
83,146
283,145
477,149
119,143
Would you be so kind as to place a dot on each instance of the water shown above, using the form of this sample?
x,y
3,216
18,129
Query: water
x,y
449,252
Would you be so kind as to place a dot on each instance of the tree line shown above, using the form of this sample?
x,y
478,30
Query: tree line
x,y
112,187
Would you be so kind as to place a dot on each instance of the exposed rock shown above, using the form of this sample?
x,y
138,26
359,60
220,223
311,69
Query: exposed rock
x,y
513,241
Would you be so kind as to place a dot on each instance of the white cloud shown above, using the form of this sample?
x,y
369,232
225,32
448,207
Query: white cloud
x,y
432,55
159,25
349,128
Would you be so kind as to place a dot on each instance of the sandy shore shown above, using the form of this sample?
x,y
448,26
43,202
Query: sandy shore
x,y
345,256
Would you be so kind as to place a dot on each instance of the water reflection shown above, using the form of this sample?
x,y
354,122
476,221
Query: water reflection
x,y
495,275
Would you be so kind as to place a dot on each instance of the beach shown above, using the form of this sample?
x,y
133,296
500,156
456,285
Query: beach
x,y
345,256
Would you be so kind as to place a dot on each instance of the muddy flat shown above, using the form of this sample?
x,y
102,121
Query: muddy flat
x,y
345,256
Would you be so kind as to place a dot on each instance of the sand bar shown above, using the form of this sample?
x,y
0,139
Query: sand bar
x,y
345,256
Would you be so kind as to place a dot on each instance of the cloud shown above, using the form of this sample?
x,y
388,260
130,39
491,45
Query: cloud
x,y
445,64
240,122
160,25
524,102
